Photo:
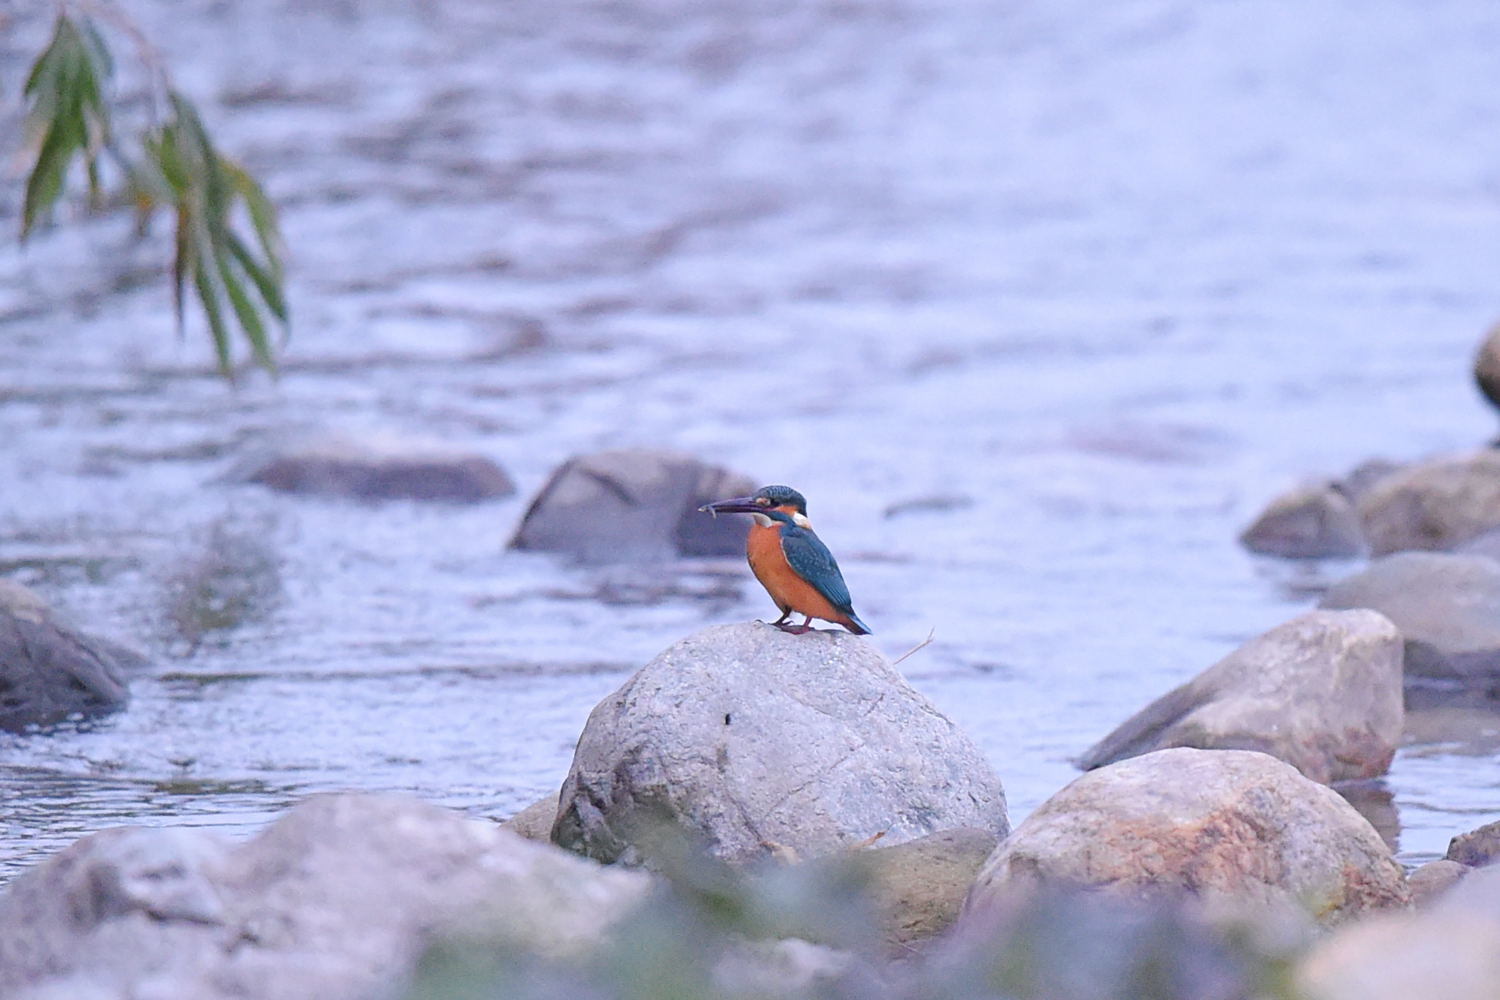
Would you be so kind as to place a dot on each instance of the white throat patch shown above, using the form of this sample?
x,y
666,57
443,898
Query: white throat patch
x,y
763,520
801,521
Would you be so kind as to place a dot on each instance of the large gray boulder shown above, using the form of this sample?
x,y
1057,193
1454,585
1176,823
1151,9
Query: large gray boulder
x,y
758,741
51,672
1321,692
376,467
1313,521
1450,949
631,506
1446,605
1436,504
335,900
1221,823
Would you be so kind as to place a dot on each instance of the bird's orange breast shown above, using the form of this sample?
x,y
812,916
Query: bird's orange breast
x,y
787,589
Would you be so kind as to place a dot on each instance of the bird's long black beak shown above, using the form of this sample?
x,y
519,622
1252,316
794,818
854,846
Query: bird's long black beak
x,y
737,505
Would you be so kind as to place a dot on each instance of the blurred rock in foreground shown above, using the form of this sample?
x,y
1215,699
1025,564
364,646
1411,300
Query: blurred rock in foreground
x,y
335,900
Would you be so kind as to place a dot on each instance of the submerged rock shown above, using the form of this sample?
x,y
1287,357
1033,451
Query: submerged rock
x,y
1450,950
335,900
1321,692
1446,605
622,506
1219,823
49,671
377,467
1436,504
757,741
1315,521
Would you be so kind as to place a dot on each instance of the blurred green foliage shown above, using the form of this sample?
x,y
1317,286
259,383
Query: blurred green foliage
x,y
811,931
227,245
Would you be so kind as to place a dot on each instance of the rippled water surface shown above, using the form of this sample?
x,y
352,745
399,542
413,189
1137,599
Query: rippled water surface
x,y
1037,302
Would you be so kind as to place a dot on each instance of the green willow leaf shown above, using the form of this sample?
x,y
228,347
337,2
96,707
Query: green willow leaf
x,y
65,90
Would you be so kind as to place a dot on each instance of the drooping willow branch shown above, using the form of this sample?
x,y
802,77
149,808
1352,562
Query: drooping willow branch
x,y
227,247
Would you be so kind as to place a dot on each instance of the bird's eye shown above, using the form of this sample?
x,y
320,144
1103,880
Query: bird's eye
x,y
763,501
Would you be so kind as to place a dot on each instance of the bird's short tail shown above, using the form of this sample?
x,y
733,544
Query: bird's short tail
x,y
856,626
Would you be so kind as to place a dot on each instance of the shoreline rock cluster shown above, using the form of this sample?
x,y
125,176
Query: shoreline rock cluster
x,y
796,761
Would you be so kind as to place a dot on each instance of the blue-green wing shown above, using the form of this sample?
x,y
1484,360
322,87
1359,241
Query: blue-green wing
x,y
811,560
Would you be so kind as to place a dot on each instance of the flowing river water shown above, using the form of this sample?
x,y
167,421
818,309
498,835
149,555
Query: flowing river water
x,y
1037,302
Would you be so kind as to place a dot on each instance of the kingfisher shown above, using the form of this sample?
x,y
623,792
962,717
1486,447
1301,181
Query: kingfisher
x,y
790,561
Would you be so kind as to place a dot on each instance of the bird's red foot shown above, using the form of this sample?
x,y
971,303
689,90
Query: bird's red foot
x,y
802,629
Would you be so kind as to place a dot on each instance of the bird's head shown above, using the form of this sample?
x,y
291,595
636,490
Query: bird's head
x,y
769,503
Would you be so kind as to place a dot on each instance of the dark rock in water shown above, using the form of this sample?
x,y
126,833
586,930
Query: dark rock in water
x,y
1220,823
1317,521
759,742
919,886
335,900
50,672
1437,504
1450,949
378,468
622,506
1321,692
1476,848
1447,607
1487,366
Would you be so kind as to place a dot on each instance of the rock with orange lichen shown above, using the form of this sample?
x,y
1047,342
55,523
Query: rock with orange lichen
x,y
1229,824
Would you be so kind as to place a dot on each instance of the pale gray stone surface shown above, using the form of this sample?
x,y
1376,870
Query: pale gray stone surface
x,y
335,900
1446,605
1436,504
1321,692
759,741
638,505
1230,824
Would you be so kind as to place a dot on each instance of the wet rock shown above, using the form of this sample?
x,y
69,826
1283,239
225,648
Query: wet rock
x,y
758,741
623,506
919,887
50,672
1446,605
1221,823
535,821
334,900
1436,504
1433,879
1449,950
1321,692
377,467
1315,521
1487,366
1476,848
